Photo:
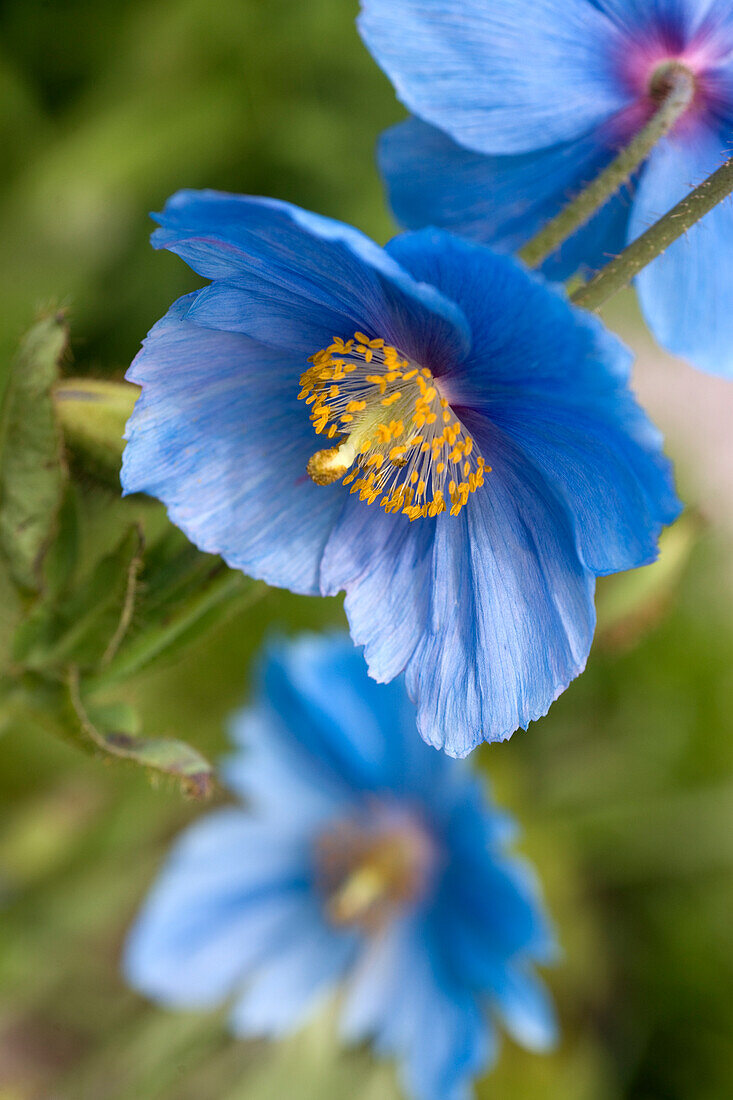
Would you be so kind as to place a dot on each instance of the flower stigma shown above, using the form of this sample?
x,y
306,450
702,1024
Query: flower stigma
x,y
368,870
396,438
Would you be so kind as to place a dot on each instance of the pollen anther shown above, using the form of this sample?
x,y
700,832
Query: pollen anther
x,y
400,443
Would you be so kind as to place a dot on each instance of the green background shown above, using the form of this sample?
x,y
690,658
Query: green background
x,y
625,792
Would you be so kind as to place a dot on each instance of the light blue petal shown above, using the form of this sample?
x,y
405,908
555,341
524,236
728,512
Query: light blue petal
x,y
399,997
327,735
219,436
337,723
510,987
475,823
686,294
491,611
510,618
277,777
289,987
495,77
501,200
559,389
384,564
526,1010
230,894
512,613
295,279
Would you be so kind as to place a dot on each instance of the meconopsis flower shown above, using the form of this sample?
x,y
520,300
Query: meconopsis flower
x,y
519,106
363,863
427,427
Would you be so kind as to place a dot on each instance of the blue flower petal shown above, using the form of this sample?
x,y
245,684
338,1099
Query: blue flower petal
x,y
674,22
526,1009
492,609
276,776
686,294
294,279
487,73
289,986
328,727
501,200
559,390
240,909
219,436
399,997
492,899
512,613
227,898
384,564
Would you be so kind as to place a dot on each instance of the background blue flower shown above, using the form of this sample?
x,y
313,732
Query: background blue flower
x,y
520,106
490,610
363,859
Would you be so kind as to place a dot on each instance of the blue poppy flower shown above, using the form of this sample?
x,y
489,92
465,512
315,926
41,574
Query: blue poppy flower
x,y
363,861
519,106
484,459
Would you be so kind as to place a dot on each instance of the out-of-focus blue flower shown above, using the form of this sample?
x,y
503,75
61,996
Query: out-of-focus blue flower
x,y
474,401
363,861
520,105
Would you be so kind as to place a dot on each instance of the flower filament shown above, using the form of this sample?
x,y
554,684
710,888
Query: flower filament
x,y
398,440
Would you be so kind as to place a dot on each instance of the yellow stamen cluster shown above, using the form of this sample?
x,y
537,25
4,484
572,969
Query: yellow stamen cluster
x,y
397,439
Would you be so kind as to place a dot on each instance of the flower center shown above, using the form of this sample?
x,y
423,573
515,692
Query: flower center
x,y
398,440
366,871
662,77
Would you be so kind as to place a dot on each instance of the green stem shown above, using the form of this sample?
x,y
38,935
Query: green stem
x,y
228,591
620,271
674,85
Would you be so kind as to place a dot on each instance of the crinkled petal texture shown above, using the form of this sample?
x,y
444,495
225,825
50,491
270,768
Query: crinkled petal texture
x,y
487,73
499,605
219,434
238,912
294,279
490,612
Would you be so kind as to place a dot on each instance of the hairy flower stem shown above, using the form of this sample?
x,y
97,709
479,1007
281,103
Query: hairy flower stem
x,y
620,271
674,87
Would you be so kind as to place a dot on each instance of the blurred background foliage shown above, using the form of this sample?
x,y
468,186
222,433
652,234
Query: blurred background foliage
x,y
625,791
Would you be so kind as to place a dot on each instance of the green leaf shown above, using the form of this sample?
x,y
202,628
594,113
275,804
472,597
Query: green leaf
x,y
88,628
172,571
177,622
62,558
114,729
32,471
